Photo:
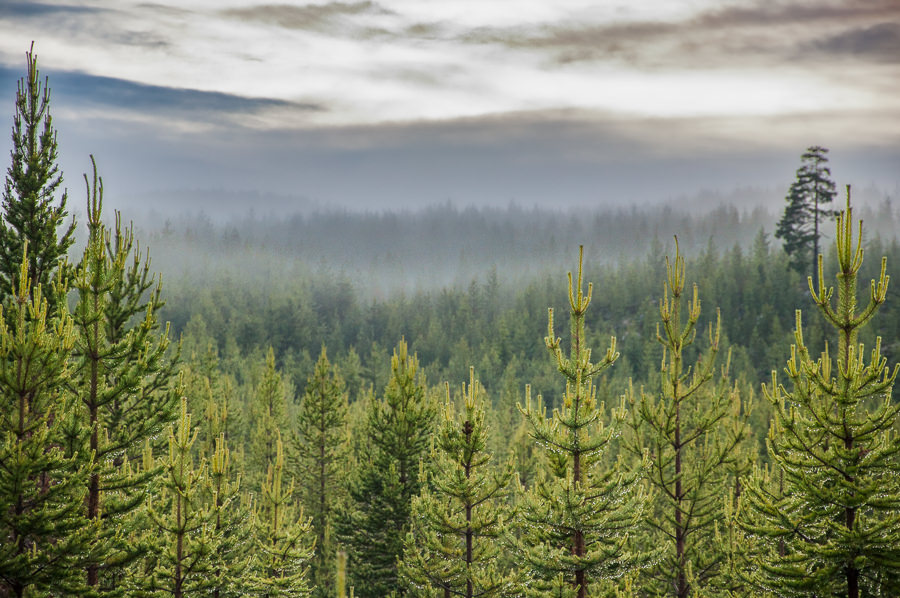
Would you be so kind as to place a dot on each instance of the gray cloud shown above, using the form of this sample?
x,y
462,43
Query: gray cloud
x,y
327,18
879,42
87,23
722,37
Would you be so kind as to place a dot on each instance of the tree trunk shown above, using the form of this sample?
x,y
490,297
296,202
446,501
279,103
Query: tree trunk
x,y
681,584
467,429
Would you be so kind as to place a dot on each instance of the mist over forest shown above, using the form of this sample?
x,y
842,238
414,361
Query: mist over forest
x,y
252,238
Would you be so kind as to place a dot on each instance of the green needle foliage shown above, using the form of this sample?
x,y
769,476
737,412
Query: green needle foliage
x,y
320,462
30,212
453,547
692,427
124,377
212,392
835,530
181,563
285,541
43,536
375,521
268,411
229,516
575,522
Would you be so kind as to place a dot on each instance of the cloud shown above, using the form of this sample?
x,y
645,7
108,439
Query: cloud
x,y
879,42
749,35
325,18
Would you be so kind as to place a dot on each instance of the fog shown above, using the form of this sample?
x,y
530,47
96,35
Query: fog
x,y
389,251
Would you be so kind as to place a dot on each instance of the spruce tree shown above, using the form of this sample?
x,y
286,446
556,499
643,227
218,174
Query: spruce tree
x,y
375,520
43,536
807,207
576,520
692,427
320,459
284,539
31,213
124,377
459,519
835,530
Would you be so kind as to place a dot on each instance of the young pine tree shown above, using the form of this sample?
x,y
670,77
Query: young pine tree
x,y
692,428
181,562
457,522
835,530
284,539
30,212
232,554
124,378
375,520
320,458
43,536
576,520
268,417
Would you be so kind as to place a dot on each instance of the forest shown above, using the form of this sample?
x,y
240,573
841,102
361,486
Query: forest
x,y
425,404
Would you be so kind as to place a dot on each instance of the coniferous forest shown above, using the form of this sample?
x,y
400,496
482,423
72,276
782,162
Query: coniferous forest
x,y
707,415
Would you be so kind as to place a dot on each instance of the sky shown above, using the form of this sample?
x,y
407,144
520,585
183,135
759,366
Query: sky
x,y
407,103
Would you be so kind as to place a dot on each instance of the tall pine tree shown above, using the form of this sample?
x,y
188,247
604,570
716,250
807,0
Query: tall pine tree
x,y
461,516
375,521
268,416
124,377
835,530
692,427
320,458
284,539
807,208
181,563
31,213
230,518
43,536
576,520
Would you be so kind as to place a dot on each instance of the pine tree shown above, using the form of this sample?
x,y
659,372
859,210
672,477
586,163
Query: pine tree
x,y
460,516
835,530
30,212
124,377
692,427
320,462
212,392
268,416
182,562
231,555
285,541
807,201
374,523
43,536
576,520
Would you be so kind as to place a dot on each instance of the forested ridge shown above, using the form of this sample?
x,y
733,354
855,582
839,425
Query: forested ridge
x,y
688,417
